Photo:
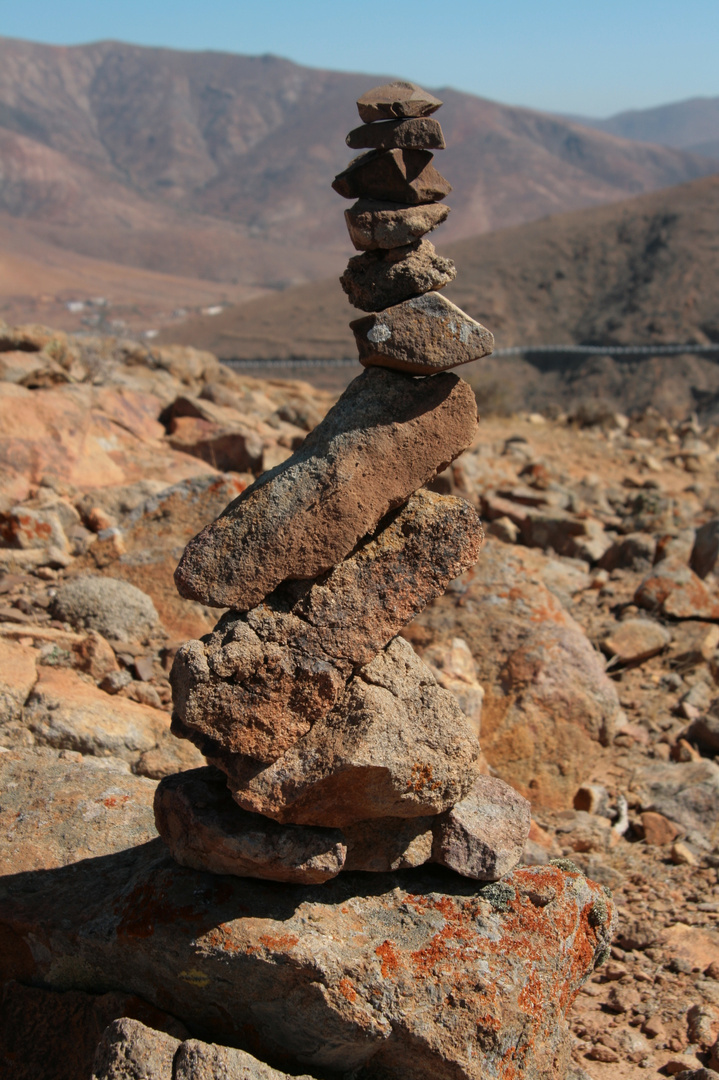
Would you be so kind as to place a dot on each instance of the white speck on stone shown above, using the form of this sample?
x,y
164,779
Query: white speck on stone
x,y
452,326
465,333
379,333
430,304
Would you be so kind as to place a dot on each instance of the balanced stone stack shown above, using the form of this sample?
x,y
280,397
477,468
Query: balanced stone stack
x,y
332,747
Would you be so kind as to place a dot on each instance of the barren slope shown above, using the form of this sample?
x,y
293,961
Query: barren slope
x,y
218,166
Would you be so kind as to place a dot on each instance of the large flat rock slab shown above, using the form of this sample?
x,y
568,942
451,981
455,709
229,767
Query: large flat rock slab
x,y
261,680
386,437
419,974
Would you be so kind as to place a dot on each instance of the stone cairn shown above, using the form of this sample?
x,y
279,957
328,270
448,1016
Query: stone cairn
x,y
332,747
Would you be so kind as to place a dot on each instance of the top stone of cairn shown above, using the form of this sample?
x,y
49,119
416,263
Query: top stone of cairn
x,y
395,101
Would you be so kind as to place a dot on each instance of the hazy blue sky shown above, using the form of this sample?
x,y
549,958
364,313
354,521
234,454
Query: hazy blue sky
x,y
577,56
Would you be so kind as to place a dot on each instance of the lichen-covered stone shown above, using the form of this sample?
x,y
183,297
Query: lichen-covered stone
x,y
401,176
423,335
395,745
387,436
396,99
374,224
379,279
417,133
420,974
260,680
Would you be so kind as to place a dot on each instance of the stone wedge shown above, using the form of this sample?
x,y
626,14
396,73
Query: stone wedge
x,y
387,436
423,335
402,176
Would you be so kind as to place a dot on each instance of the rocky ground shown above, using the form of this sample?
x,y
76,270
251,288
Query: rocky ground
x,y
585,642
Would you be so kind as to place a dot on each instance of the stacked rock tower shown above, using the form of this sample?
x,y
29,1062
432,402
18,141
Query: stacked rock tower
x,y
332,747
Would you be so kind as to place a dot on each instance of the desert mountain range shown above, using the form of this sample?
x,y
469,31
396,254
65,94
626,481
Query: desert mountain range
x,y
215,168
691,125
642,270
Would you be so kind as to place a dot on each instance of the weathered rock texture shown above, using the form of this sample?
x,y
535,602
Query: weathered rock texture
x,y
117,610
403,176
549,706
385,438
128,1050
374,224
332,977
261,680
205,829
396,99
482,837
423,335
376,280
418,133
396,745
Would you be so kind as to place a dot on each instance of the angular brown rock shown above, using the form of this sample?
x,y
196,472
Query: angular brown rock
x,y
205,829
636,640
483,836
396,745
417,133
380,279
375,224
400,176
423,335
396,99
128,1050
386,436
260,681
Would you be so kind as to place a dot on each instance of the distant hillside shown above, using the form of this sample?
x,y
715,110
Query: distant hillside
x,y
214,166
643,270
691,125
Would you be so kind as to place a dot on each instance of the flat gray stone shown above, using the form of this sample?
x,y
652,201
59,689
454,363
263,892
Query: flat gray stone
x,y
380,279
387,436
114,608
423,335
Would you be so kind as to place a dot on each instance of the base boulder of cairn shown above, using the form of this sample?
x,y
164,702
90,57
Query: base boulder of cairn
x,y
334,752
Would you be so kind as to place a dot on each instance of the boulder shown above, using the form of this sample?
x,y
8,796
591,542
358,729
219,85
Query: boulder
x,y
69,713
416,133
395,100
420,974
548,704
117,610
379,279
400,176
262,679
423,335
636,640
395,745
375,224
58,807
304,516
686,793
673,589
